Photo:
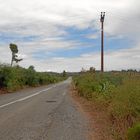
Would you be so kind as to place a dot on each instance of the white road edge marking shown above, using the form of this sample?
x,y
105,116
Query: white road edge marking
x,y
25,98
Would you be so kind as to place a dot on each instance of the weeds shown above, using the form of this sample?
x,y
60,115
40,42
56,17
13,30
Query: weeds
x,y
117,93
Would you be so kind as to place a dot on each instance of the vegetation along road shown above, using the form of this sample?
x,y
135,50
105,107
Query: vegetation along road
x,y
42,113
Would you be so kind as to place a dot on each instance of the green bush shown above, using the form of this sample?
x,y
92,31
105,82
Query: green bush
x,y
134,132
13,78
118,93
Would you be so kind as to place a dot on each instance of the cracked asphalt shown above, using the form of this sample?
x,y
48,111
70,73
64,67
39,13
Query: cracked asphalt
x,y
42,113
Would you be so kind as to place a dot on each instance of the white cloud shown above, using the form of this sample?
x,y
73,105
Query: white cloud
x,y
122,59
44,21
92,36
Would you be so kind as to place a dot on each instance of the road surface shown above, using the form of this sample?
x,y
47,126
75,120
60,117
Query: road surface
x,y
43,113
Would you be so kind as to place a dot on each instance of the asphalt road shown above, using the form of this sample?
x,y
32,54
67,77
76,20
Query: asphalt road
x,y
43,113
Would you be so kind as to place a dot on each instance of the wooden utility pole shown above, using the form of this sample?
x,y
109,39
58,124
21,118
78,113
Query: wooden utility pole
x,y
102,40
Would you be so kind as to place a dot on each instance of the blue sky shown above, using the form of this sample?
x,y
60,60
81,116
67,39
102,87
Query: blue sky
x,y
68,36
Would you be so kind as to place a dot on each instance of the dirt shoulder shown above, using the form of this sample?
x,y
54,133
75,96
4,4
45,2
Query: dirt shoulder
x,y
3,91
98,118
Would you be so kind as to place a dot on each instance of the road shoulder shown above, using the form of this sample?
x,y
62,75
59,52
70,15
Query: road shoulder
x,y
98,119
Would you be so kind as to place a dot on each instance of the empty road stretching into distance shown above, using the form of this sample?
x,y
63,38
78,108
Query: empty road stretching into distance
x,y
42,113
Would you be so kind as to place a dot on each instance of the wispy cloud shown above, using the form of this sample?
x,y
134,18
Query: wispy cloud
x,y
57,30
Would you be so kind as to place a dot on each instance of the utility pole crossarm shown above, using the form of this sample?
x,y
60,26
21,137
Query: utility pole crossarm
x,y
102,16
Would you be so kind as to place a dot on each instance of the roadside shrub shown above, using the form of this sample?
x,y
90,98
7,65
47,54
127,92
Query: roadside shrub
x,y
13,78
134,132
117,93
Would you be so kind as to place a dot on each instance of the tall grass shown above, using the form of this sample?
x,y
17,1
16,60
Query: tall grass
x,y
14,78
118,94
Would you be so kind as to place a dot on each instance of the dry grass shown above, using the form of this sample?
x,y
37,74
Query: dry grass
x,y
98,118
116,94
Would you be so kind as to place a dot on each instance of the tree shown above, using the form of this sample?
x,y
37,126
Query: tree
x,y
64,73
32,68
14,50
92,69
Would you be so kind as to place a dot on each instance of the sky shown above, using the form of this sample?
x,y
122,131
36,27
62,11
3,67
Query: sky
x,y
57,35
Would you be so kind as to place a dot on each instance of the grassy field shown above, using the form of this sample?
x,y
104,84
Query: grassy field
x,y
14,78
117,93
